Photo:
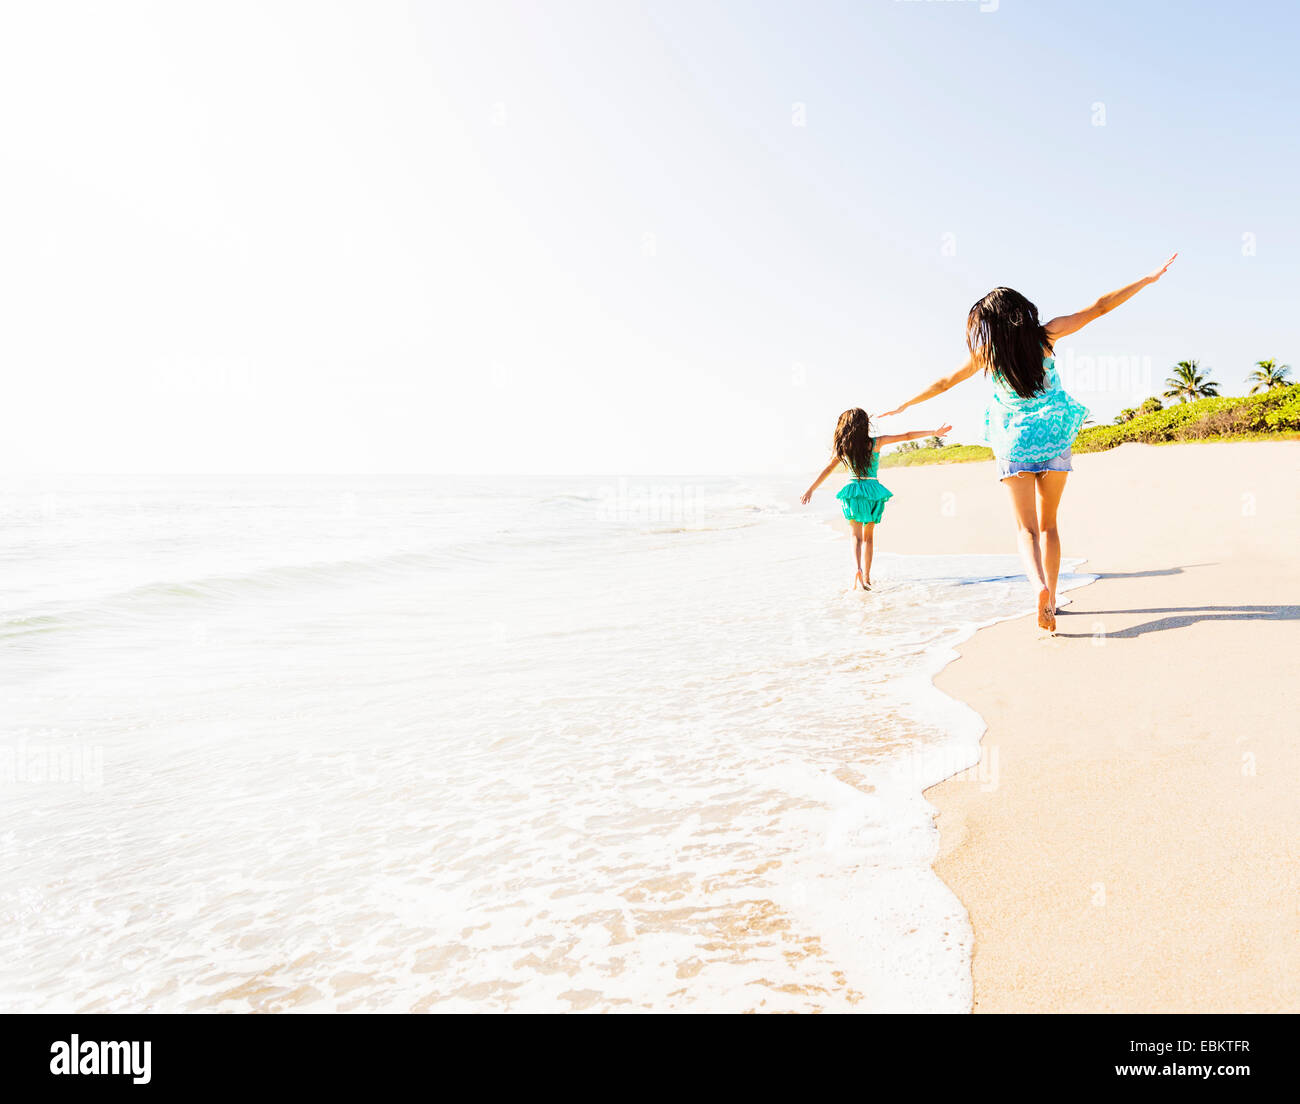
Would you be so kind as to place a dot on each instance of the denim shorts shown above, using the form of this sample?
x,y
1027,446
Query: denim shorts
x,y
1059,462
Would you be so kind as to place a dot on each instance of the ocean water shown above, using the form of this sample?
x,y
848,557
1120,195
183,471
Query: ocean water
x,y
417,743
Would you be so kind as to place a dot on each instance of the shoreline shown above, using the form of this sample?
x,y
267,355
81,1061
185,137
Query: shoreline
x,y
893,902
1137,852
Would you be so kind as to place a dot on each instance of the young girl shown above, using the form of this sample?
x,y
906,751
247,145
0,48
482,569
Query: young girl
x,y
863,497
1031,420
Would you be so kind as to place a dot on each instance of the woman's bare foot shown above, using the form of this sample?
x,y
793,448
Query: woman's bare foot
x,y
858,581
1046,611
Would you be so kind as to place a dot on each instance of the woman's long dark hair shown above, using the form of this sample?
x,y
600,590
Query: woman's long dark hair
x,y
1003,334
852,442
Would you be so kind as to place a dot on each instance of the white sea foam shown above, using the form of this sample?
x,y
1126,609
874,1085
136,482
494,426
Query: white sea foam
x,y
464,745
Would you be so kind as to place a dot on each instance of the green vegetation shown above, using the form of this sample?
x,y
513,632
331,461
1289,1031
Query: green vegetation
x,y
1276,411
1272,413
946,454
1269,374
1149,406
1187,384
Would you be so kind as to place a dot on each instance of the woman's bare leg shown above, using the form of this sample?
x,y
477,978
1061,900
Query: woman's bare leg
x,y
1023,505
868,550
856,526
1051,485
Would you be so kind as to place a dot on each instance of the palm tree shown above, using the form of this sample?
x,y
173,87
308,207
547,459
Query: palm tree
x,y
1126,415
1187,384
934,442
1269,374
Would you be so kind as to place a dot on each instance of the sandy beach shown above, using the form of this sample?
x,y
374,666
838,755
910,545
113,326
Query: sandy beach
x,y
1139,849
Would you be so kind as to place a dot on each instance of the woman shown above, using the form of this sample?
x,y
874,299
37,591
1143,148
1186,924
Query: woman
x,y
1031,421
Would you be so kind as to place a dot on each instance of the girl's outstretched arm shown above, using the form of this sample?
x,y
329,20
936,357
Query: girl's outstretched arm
x,y
826,471
1072,323
938,387
894,438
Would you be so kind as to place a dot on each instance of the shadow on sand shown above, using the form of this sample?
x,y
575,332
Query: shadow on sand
x,y
1147,574
1180,618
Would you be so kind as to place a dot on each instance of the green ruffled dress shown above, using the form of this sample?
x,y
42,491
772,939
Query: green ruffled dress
x,y
863,497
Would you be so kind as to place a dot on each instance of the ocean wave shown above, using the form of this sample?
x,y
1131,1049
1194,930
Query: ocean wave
x,y
628,770
258,582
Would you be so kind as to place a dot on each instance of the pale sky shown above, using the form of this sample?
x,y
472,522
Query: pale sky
x,y
610,236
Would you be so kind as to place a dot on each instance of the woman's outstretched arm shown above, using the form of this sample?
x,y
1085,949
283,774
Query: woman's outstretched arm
x,y
939,386
1072,323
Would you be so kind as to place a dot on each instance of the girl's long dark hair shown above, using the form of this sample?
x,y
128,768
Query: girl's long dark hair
x,y
852,442
1004,335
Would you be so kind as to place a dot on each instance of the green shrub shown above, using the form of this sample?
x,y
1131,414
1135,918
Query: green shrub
x,y
1221,416
1286,415
1218,423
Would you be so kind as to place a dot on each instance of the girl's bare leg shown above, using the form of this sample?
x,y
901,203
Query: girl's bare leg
x,y
868,550
1051,485
857,527
1022,491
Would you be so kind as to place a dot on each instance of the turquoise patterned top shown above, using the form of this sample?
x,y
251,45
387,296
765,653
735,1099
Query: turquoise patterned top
x,y
1037,428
